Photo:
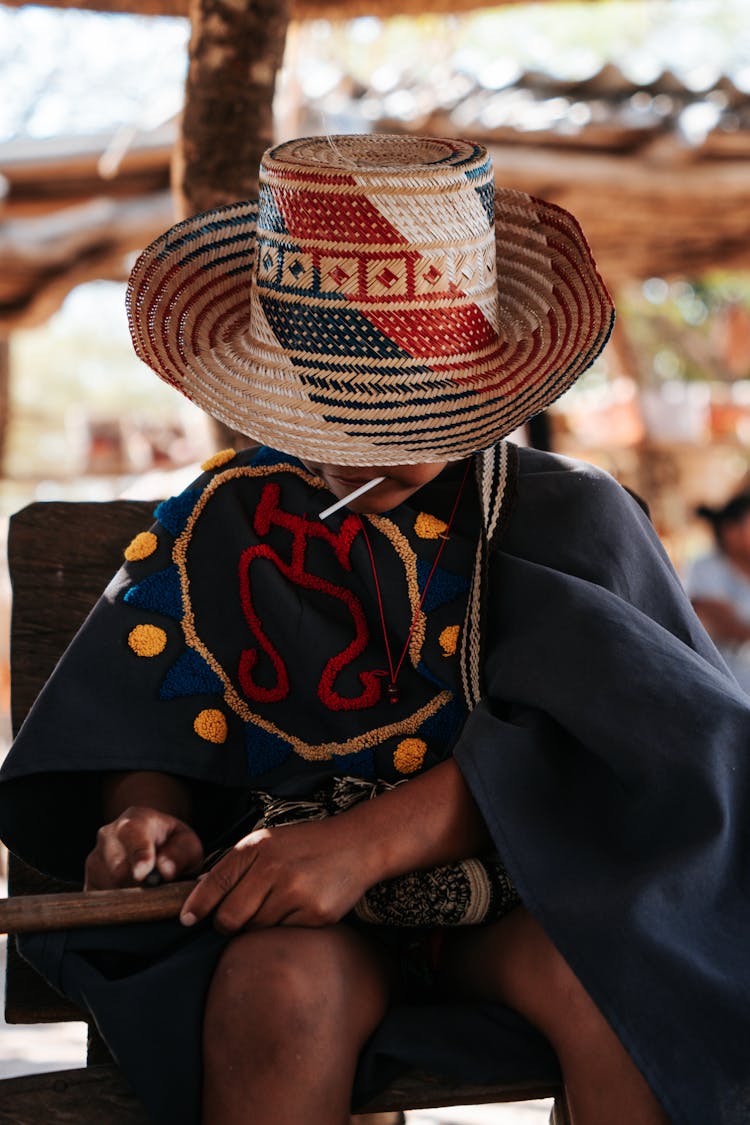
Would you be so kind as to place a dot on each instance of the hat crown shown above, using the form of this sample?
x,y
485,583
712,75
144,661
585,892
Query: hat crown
x,y
377,219
392,157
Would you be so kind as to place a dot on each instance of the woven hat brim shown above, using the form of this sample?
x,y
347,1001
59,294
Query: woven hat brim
x,y
189,306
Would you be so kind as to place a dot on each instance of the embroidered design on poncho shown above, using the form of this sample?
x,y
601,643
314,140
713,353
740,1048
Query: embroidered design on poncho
x,y
284,624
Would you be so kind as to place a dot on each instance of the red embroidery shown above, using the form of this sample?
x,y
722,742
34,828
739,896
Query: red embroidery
x,y
267,514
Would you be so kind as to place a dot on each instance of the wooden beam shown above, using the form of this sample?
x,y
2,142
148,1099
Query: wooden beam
x,y
661,213
44,258
112,161
300,9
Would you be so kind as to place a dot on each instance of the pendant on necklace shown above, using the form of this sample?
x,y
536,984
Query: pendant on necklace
x,y
391,690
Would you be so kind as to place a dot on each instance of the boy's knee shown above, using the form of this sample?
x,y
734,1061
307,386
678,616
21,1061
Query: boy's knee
x,y
274,977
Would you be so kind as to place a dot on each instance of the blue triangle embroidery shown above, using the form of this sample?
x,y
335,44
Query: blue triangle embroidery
x,y
159,592
428,674
444,726
265,751
444,586
267,456
360,764
190,675
174,513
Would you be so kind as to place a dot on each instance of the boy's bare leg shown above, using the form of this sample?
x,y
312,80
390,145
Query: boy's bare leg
x,y
513,960
287,1014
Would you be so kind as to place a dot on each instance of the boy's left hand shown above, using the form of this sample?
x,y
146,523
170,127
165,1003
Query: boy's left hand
x,y
307,874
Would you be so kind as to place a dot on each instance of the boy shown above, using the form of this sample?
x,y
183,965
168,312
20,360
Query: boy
x,y
498,627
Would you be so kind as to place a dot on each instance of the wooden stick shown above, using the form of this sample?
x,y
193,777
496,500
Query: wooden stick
x,y
35,913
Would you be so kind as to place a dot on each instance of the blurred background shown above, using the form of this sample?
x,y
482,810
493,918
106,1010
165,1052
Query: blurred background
x,y
634,114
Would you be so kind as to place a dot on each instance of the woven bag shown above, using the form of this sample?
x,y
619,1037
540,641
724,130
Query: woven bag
x,y
463,893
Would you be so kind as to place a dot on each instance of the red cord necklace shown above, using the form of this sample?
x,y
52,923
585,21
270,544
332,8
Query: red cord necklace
x,y
394,669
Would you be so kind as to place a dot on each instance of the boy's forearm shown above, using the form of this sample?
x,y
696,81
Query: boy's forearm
x,y
146,788
430,820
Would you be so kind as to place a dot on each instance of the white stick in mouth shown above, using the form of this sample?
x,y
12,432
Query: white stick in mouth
x,y
351,496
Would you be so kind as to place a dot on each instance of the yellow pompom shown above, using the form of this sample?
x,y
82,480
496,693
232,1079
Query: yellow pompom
x,y
144,544
409,755
223,457
147,640
429,527
449,639
211,725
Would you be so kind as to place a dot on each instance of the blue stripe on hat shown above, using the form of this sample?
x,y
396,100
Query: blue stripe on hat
x,y
270,217
486,193
383,399
335,329
218,226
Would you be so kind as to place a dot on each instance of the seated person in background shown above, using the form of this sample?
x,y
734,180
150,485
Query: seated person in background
x,y
718,583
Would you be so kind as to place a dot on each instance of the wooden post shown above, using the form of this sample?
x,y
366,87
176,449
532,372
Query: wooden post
x,y
4,396
236,49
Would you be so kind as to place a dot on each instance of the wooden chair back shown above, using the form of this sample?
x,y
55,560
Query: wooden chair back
x,y
60,557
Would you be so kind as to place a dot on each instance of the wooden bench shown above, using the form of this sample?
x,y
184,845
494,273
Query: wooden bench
x,y
61,556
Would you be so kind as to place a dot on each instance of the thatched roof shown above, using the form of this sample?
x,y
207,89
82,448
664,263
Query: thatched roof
x,y
300,9
76,210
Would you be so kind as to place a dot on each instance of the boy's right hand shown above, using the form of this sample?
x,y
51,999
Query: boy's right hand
x,y
139,840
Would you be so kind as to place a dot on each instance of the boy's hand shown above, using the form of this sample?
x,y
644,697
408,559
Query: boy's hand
x,y
313,873
306,874
139,840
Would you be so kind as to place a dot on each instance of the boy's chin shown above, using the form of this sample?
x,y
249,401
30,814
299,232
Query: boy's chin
x,y
375,507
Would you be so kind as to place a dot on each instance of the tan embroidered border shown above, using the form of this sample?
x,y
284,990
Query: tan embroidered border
x,y
408,557
310,752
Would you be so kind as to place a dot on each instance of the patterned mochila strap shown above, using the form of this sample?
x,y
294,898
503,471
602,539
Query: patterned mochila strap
x,y
497,476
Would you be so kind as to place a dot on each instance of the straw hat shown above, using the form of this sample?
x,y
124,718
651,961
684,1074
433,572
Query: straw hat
x,y
380,304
